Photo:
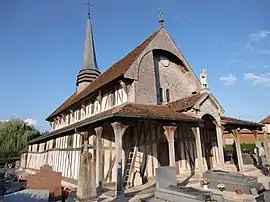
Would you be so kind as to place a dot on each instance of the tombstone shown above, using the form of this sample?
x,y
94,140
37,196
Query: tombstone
x,y
267,195
249,184
46,179
86,189
137,179
28,195
168,189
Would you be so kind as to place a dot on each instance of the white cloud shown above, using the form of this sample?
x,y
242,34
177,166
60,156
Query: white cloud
x,y
262,79
249,47
259,35
265,66
264,52
30,122
228,80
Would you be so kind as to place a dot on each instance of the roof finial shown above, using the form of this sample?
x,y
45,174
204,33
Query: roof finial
x,y
161,17
89,6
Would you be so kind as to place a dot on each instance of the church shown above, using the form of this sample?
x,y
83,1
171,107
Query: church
x,y
147,110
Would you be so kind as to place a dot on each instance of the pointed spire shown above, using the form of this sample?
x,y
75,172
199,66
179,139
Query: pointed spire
x,y
89,70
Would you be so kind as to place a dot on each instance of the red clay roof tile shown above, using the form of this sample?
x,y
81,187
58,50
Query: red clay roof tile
x,y
266,120
115,71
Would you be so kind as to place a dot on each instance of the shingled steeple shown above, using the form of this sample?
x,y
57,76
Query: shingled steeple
x,y
89,71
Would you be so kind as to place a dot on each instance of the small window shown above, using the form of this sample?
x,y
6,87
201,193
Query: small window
x,y
160,95
70,141
54,143
79,114
168,95
37,147
113,100
45,145
92,108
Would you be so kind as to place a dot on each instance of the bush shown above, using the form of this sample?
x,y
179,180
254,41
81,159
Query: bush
x,y
248,147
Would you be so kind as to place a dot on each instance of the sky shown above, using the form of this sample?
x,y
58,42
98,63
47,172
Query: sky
x,y
42,42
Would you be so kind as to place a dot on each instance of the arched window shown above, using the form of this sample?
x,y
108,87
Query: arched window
x,y
167,95
160,95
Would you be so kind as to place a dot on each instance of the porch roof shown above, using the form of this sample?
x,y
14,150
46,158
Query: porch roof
x,y
126,111
185,103
233,123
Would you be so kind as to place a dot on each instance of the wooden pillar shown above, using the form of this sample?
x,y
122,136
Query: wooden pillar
x,y
196,132
220,146
257,147
98,155
238,149
266,146
169,133
119,130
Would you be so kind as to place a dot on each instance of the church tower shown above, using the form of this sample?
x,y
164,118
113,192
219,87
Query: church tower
x,y
89,71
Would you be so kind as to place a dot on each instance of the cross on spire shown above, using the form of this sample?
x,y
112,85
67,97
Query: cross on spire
x,y
89,7
161,16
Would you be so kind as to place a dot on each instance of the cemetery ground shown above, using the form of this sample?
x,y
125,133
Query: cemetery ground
x,y
47,185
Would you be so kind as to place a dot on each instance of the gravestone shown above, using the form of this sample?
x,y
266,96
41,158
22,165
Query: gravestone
x,y
28,195
46,179
168,189
249,184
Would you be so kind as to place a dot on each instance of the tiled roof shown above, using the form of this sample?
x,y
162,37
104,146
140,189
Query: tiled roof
x,y
242,123
184,103
127,110
115,71
266,120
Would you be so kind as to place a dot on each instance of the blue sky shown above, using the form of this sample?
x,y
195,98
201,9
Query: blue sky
x,y
41,48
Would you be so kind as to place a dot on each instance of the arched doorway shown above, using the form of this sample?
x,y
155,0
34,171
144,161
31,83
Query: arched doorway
x,y
209,141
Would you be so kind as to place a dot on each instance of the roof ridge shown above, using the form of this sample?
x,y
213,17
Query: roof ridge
x,y
101,80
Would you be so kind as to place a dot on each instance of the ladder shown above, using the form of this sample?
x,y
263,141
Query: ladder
x,y
132,165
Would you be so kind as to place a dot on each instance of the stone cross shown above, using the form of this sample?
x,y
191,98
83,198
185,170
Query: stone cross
x,y
86,190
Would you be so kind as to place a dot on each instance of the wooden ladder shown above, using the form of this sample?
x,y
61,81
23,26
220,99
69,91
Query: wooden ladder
x,y
131,165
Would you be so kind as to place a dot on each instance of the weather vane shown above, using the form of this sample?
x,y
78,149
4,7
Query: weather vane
x,y
89,6
161,16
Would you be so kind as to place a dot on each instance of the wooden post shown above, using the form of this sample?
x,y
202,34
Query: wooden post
x,y
169,133
257,147
196,132
220,146
266,146
238,149
119,130
98,155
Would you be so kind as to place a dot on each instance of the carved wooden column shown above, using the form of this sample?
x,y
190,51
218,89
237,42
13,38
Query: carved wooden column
x,y
220,146
196,132
98,155
169,133
119,130
238,149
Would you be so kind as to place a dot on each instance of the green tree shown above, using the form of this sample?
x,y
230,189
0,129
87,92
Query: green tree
x,y
14,135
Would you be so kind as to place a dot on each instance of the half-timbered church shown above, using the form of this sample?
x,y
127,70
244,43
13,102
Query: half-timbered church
x,y
147,110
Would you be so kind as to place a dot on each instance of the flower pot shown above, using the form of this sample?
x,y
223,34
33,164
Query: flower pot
x,y
205,186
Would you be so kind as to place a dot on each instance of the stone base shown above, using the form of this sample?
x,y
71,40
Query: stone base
x,y
90,199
